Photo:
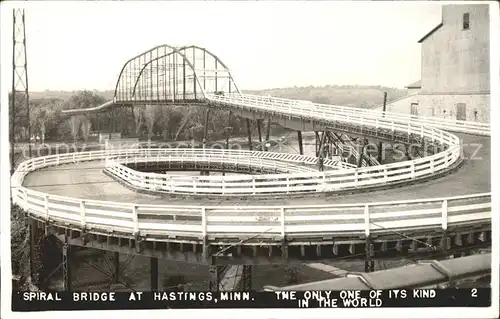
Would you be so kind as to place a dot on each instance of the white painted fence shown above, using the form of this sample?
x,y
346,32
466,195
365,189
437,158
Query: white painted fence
x,y
390,120
276,221
280,183
198,221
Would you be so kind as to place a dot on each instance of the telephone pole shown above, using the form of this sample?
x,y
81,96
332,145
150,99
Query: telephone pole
x,y
20,93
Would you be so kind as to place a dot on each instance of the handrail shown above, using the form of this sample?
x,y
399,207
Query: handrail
x,y
279,220
311,108
291,179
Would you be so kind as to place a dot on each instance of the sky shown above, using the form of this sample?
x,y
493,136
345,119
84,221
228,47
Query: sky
x,y
83,45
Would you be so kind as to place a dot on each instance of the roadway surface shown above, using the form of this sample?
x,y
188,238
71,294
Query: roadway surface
x,y
86,180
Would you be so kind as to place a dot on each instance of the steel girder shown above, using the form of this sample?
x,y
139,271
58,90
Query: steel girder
x,y
168,74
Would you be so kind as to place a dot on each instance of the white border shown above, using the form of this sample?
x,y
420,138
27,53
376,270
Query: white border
x,y
491,312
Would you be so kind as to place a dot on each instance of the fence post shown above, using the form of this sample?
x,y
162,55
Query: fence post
x,y
432,165
82,213
412,168
367,220
444,214
283,222
135,219
204,221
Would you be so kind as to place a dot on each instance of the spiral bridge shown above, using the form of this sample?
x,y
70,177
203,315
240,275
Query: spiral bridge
x,y
278,228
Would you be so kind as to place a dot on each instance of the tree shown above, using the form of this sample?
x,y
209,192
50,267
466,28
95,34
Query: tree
x,y
85,127
45,117
74,124
82,100
138,113
150,112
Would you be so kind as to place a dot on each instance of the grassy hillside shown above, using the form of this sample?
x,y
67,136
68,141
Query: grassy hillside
x,y
347,95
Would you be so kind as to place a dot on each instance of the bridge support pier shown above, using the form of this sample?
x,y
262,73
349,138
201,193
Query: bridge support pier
x,y
249,132
215,272
320,150
259,125
205,129
246,278
66,268
268,132
153,262
301,147
369,249
116,262
34,247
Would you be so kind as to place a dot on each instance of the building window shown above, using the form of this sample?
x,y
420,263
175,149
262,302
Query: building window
x,y
466,21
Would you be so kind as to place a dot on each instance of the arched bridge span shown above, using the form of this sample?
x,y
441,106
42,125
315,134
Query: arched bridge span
x,y
167,74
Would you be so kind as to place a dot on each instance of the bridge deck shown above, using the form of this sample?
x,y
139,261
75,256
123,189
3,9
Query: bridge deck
x,y
86,180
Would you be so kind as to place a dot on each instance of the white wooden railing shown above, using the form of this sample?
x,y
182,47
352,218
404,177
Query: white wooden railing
x,y
390,120
279,183
271,221
278,220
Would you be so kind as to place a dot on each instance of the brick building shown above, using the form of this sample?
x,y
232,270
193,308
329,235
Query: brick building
x,y
455,68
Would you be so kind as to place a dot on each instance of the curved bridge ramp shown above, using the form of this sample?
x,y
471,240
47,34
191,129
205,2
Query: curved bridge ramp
x,y
70,192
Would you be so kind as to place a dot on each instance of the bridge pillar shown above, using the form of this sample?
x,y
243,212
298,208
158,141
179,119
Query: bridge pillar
x,y
246,278
215,272
259,124
116,262
320,150
301,147
268,132
153,261
362,155
228,129
66,253
249,132
34,249
369,249
205,129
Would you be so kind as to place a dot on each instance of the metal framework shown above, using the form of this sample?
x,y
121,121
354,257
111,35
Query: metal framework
x,y
168,74
19,77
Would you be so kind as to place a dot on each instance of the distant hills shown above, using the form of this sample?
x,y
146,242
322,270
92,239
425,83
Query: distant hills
x,y
65,95
346,95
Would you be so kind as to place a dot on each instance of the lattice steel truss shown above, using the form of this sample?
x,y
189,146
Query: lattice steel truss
x,y
20,95
167,74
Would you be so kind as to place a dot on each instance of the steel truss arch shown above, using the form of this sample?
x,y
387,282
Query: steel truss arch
x,y
170,74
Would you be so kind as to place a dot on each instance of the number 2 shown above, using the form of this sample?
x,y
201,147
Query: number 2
x,y
474,292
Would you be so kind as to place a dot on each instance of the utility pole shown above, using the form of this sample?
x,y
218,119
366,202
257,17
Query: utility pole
x,y
19,78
